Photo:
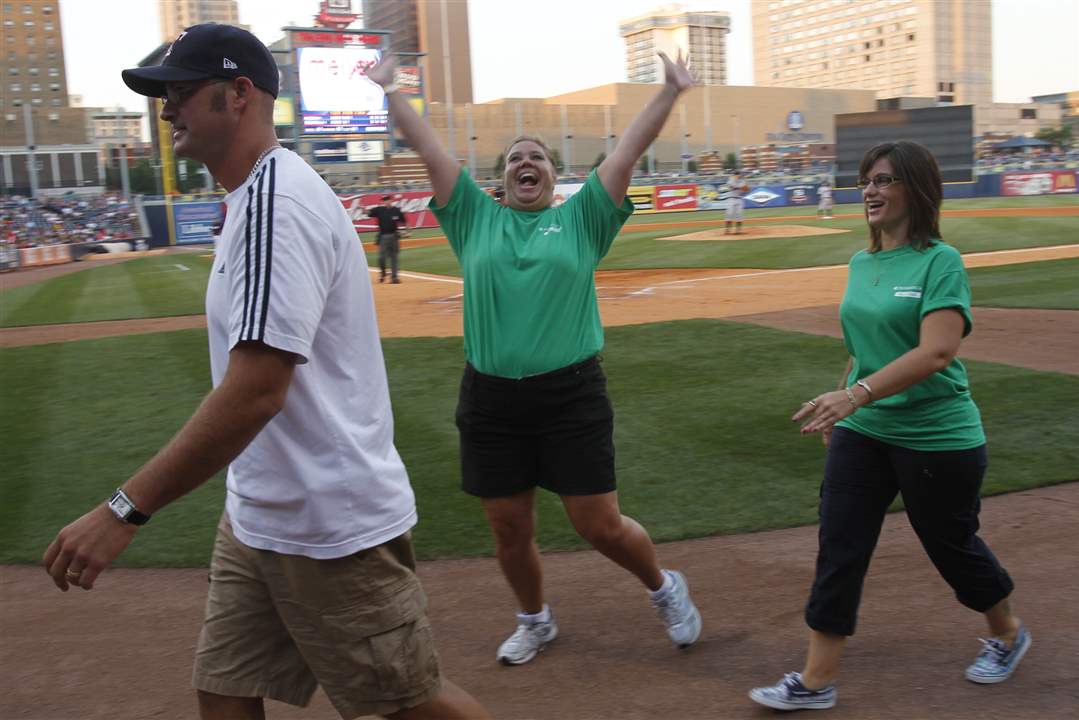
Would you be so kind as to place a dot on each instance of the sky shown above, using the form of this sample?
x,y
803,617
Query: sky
x,y
537,49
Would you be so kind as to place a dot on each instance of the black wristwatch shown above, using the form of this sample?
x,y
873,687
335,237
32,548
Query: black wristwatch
x,y
125,510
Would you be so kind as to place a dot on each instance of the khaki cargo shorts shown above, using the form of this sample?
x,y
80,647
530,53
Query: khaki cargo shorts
x,y
278,625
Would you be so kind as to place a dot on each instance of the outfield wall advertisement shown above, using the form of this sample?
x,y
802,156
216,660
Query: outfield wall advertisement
x,y
413,204
196,222
1049,182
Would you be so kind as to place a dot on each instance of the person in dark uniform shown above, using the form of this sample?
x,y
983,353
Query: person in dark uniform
x,y
389,236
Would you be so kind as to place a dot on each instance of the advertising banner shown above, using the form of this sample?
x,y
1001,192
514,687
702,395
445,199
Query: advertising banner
x,y
766,196
196,222
409,79
643,198
335,95
564,191
801,194
1038,183
413,204
673,198
9,257
45,255
330,152
710,196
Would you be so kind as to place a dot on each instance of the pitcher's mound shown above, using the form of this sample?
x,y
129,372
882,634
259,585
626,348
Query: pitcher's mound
x,y
756,232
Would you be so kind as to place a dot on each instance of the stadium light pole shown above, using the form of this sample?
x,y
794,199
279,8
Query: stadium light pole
x,y
31,158
685,138
448,79
607,135
565,141
471,141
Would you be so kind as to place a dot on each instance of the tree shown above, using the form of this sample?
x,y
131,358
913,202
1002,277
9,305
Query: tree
x,y
143,180
643,164
500,164
1060,136
730,162
691,165
599,160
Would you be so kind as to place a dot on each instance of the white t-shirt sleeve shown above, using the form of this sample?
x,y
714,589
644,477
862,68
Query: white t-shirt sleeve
x,y
285,267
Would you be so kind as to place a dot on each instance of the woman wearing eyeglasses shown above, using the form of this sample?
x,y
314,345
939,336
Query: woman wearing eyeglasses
x,y
902,422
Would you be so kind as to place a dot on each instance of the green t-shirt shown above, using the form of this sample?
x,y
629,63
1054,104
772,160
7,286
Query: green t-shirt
x,y
888,294
530,293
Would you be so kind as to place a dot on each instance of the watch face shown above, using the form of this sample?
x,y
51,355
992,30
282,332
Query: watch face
x,y
121,506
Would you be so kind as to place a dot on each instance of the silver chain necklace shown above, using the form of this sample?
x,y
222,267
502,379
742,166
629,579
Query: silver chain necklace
x,y
259,160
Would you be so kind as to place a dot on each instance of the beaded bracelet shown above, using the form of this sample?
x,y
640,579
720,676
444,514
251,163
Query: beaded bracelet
x,y
850,397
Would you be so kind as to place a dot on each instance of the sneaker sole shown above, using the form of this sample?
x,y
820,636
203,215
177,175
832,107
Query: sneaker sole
x,y
780,705
994,679
697,631
509,662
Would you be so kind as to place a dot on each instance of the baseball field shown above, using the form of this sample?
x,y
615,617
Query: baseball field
x,y
712,343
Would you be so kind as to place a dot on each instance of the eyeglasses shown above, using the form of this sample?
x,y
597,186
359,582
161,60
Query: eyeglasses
x,y
881,180
177,96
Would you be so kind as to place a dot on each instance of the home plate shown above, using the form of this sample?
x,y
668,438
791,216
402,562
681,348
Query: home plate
x,y
755,232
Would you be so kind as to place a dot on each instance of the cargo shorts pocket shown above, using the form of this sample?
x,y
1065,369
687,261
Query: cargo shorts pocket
x,y
372,651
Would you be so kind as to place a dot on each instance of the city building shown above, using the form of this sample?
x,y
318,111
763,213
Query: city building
x,y
417,27
898,48
34,107
1067,102
176,15
670,28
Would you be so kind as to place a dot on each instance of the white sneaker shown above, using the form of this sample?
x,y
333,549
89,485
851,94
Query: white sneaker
x,y
677,610
528,639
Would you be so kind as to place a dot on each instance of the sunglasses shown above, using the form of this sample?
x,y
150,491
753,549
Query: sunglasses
x,y
178,95
881,180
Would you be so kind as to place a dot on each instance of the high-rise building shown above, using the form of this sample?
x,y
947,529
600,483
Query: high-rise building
x,y
702,34
897,48
34,76
178,14
417,27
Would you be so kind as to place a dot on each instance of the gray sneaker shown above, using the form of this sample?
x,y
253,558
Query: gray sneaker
x,y
996,663
527,640
677,610
790,694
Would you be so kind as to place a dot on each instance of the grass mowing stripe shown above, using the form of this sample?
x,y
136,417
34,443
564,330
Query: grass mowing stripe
x,y
703,435
1048,284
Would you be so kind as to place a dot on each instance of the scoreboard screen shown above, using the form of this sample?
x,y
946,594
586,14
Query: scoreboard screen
x,y
948,132
336,97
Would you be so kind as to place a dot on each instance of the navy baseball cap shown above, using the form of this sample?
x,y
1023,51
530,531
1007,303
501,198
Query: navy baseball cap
x,y
210,50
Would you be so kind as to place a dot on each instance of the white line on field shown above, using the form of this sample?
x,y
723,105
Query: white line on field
x,y
690,281
424,276
183,268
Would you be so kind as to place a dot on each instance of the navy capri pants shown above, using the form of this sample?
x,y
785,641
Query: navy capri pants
x,y
940,490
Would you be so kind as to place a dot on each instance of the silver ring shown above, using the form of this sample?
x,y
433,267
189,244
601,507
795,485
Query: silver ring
x,y
812,403
71,575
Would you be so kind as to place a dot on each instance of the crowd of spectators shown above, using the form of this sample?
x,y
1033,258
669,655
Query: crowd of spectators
x,y
26,222
1011,162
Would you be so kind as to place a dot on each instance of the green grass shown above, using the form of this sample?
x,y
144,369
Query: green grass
x,y
1050,284
704,441
640,249
149,287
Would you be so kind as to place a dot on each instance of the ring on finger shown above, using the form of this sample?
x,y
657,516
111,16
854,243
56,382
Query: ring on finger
x,y
72,575
811,403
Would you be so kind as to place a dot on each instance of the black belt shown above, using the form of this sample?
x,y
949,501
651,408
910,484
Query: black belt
x,y
567,370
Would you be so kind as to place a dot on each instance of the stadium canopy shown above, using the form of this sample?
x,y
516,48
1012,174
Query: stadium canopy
x,y
1019,142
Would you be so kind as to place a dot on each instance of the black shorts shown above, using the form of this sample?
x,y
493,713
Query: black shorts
x,y
554,430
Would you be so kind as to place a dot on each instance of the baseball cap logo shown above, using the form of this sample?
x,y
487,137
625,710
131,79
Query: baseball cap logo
x,y
229,65
178,39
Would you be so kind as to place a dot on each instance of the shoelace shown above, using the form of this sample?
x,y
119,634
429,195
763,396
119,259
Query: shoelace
x,y
669,606
993,650
523,636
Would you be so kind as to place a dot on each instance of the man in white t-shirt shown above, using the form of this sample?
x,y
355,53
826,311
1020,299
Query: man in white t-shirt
x,y
313,560
824,206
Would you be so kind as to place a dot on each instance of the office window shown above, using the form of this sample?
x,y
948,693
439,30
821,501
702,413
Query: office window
x,y
1028,114
54,116
13,71
35,87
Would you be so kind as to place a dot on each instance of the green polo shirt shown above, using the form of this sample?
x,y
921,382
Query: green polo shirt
x,y
888,294
529,277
